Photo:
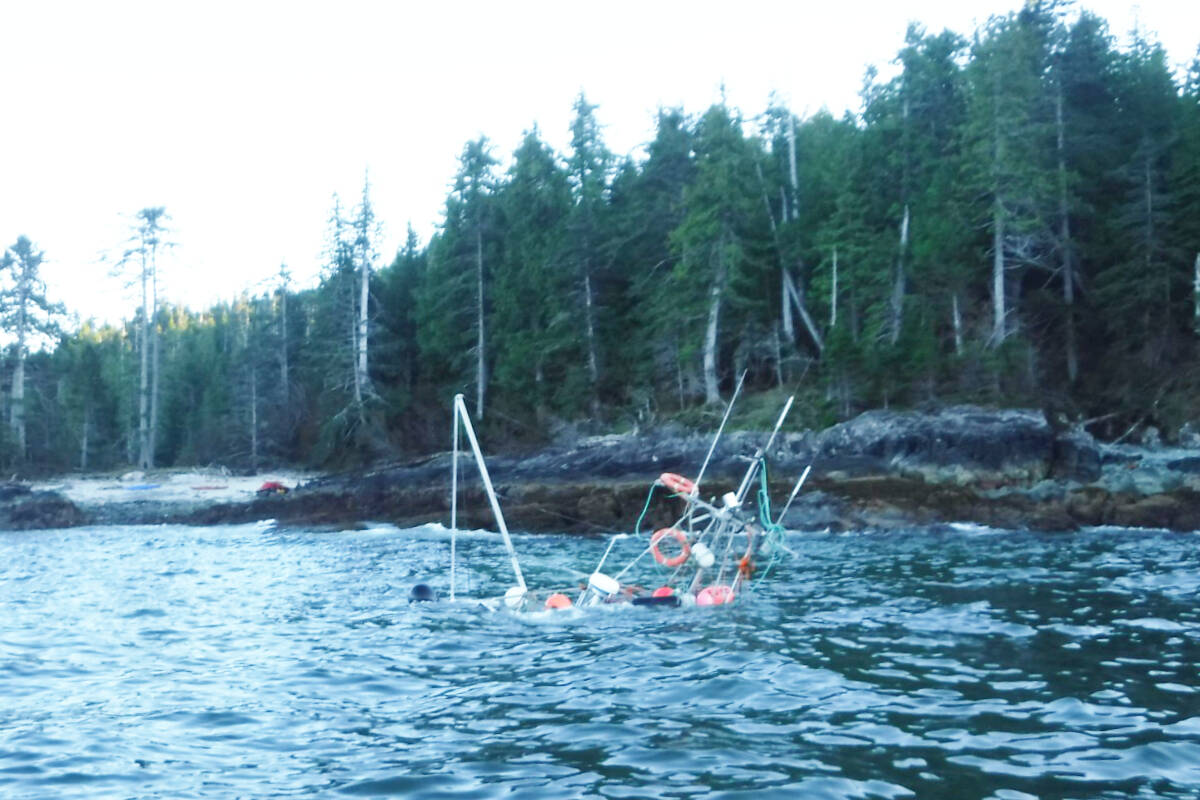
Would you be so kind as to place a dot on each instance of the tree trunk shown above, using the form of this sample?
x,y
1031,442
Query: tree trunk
x,y
777,346
283,350
679,375
792,174
712,393
898,287
999,309
999,328
1151,233
361,376
352,338
144,376
253,417
797,295
155,374
155,362
785,313
17,409
83,438
589,321
833,293
1196,293
480,355
1064,222
956,320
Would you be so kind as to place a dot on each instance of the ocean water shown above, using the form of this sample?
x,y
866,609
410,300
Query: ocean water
x,y
252,662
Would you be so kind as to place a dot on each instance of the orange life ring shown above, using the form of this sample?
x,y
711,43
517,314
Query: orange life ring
x,y
684,549
677,483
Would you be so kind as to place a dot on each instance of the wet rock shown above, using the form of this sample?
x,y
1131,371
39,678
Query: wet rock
x,y
961,445
883,469
1075,456
21,508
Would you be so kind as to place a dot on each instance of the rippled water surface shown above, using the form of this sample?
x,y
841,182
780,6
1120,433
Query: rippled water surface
x,y
158,662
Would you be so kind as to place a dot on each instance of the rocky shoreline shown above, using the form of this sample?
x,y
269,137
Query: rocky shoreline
x,y
881,470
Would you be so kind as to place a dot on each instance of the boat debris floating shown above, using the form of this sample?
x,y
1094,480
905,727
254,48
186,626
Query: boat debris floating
x,y
713,554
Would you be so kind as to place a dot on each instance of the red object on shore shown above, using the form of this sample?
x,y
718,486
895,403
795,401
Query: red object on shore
x,y
272,487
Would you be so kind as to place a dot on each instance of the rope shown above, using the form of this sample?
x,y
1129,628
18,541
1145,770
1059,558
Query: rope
x,y
637,527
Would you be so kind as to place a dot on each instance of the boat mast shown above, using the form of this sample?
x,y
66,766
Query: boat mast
x,y
460,410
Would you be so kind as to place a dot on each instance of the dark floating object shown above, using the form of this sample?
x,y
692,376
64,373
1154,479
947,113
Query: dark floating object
x,y
670,601
422,593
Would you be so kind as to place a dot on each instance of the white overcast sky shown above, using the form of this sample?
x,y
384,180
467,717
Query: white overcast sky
x,y
243,118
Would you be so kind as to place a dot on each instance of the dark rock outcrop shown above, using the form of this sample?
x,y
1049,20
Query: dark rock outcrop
x,y
21,508
882,469
964,445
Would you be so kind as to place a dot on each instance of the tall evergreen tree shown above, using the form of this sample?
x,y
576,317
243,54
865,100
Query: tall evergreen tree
x,y
398,356
719,242
1010,134
143,253
27,314
365,229
534,316
1185,178
589,164
647,213
454,301
1145,285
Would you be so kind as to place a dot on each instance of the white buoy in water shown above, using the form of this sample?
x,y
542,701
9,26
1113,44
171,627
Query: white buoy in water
x,y
600,586
604,584
514,598
704,557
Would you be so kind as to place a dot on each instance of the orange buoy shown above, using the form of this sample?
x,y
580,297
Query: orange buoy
x,y
715,595
558,601
662,591
684,549
677,483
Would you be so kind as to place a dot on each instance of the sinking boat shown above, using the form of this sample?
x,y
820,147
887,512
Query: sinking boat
x,y
713,554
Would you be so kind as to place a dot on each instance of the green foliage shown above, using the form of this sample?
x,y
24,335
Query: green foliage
x,y
533,310
1034,162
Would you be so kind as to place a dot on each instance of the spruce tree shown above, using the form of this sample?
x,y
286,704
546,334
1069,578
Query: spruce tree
x,y
534,316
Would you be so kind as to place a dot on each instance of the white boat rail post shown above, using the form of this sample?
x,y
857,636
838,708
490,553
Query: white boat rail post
x,y
454,496
755,464
491,492
615,538
737,390
762,453
795,491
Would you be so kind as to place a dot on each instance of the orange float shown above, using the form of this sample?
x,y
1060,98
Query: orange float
x,y
675,560
677,483
715,595
558,601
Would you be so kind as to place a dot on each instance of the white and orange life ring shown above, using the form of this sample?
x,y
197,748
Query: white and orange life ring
x,y
684,549
677,483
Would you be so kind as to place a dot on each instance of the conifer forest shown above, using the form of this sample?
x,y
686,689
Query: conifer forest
x,y
1012,219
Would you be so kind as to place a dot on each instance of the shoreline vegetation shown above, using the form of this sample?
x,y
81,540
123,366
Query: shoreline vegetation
x,y
1011,219
883,470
